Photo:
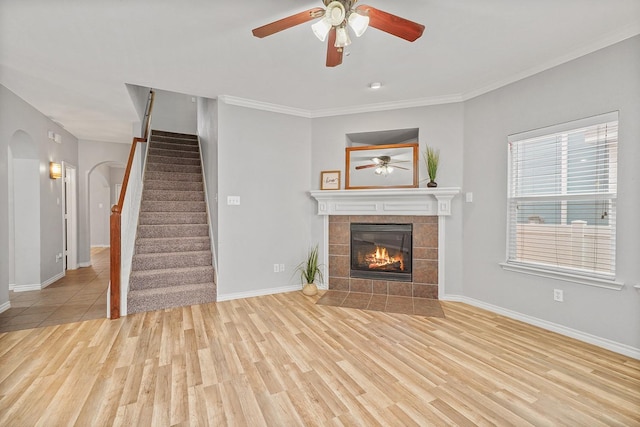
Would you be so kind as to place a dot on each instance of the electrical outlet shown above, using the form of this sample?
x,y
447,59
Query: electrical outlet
x,y
276,268
281,268
558,295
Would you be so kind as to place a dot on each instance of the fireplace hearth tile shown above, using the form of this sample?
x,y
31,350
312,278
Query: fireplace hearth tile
x,y
339,284
377,302
384,303
335,298
425,291
400,289
380,287
361,285
357,300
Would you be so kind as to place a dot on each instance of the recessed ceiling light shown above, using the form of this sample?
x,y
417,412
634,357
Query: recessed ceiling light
x,y
375,85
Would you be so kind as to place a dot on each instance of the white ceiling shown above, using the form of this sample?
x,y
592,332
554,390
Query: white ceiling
x,y
71,59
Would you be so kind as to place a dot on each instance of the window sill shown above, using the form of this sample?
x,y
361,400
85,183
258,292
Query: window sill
x,y
567,277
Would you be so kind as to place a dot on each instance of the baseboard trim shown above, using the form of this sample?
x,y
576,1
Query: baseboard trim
x,y
84,264
99,246
614,346
52,279
258,293
11,286
4,307
26,288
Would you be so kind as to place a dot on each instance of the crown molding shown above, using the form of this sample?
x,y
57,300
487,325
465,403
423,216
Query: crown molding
x,y
264,106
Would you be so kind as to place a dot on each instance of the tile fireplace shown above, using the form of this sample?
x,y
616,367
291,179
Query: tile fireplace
x,y
408,246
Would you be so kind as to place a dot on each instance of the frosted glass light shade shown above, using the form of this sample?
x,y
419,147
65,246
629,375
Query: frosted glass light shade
x,y
321,28
358,23
55,170
342,37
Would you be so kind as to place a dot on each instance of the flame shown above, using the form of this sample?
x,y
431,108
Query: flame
x,y
381,257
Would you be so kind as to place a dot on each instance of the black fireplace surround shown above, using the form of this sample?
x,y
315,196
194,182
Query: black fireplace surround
x,y
381,251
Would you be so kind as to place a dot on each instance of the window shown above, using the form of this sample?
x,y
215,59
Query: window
x,y
562,198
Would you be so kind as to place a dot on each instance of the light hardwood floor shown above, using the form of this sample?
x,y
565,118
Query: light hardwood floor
x,y
281,360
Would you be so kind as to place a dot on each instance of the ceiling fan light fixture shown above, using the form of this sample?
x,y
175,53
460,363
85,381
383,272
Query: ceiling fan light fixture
x,y
342,37
322,28
335,13
358,23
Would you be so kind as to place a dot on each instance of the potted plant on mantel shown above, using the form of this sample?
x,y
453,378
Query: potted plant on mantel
x,y
310,270
432,158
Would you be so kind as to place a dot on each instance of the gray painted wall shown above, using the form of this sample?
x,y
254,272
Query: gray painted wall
x,y
264,158
92,154
174,112
16,116
604,81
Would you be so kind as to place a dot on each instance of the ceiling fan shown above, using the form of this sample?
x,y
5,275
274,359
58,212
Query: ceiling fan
x,y
336,17
383,164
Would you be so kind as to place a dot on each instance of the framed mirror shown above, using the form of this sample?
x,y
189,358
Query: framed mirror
x,y
382,166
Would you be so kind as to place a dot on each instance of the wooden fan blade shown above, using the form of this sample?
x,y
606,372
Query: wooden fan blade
x,y
400,167
366,166
334,54
391,24
288,22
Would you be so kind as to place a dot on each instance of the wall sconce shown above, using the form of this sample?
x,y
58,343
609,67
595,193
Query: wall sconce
x,y
55,170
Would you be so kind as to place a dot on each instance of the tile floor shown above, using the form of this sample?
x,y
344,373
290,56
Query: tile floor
x,y
80,295
380,302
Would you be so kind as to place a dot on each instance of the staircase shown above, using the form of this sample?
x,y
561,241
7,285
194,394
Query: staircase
x,y
172,265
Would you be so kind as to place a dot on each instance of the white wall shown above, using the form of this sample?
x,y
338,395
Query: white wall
x,y
100,207
439,126
604,81
174,112
208,134
264,158
18,116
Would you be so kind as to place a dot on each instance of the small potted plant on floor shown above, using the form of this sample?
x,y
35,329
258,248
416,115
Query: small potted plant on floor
x,y
310,271
432,158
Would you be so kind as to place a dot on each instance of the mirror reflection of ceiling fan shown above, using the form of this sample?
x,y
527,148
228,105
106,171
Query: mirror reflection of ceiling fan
x,y
383,164
337,18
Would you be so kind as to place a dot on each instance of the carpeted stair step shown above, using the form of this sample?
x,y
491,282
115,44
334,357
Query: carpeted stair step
x,y
174,185
170,260
152,206
148,279
174,160
166,218
152,245
174,146
173,153
172,195
167,134
169,297
170,176
174,230
161,167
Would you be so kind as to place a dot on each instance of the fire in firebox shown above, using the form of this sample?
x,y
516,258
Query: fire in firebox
x,y
380,260
381,251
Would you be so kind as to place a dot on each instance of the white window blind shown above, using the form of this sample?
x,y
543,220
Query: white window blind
x,y
562,197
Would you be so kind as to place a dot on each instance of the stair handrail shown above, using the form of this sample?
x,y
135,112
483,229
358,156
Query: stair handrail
x,y
116,218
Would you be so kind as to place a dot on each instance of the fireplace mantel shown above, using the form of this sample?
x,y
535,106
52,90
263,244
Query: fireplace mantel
x,y
387,201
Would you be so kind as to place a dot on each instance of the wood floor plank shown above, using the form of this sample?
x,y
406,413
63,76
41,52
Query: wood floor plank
x,y
282,360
